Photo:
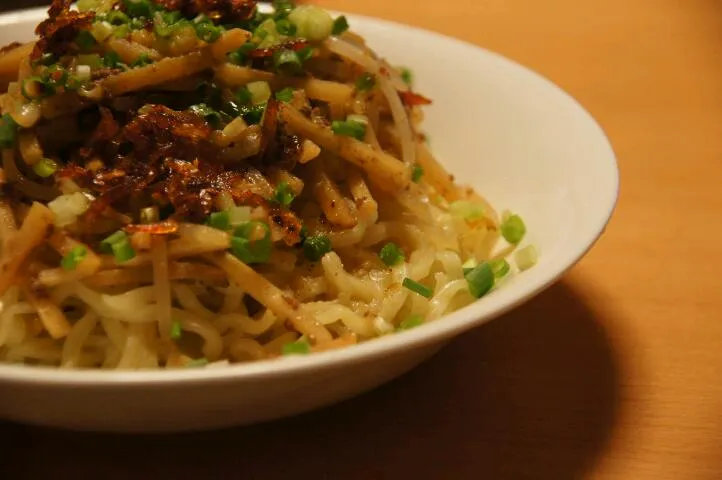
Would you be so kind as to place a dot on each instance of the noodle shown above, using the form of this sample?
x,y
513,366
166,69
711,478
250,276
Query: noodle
x,y
210,187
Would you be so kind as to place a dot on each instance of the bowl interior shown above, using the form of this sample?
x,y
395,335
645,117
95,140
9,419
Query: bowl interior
x,y
514,136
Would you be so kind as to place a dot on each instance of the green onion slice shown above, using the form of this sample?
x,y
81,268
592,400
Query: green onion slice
x,y
251,242
296,348
513,229
391,254
417,288
349,128
480,279
316,246
73,258
412,322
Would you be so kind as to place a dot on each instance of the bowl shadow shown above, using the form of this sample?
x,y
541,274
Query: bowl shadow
x,y
530,395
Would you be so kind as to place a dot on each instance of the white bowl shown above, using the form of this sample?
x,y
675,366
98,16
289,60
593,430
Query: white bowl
x,y
520,140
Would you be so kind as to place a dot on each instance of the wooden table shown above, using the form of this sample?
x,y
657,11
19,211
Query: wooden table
x,y
614,373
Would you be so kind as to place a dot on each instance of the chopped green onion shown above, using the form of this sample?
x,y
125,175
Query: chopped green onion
x,y
418,288
526,257
71,260
480,280
45,168
316,246
8,131
417,171
123,251
466,210
513,229
500,267
285,95
362,119
244,96
407,76
106,245
116,18
260,92
92,60
240,56
141,61
138,23
412,322
206,30
199,362
284,194
138,8
219,220
296,348
111,60
312,22
391,254
101,31
34,88
119,245
122,31
176,330
348,128
286,60
365,82
469,265
285,27
239,215
210,115
246,245
282,8
305,54
85,40
253,114
340,25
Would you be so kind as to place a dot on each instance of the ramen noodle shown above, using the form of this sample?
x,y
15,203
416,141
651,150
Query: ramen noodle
x,y
191,183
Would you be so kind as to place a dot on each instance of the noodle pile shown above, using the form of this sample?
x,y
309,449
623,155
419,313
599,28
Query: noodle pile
x,y
191,183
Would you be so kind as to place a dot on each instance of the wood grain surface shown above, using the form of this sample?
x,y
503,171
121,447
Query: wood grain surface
x,y
614,373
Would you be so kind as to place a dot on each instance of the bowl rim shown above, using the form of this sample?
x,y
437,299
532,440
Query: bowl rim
x,y
450,325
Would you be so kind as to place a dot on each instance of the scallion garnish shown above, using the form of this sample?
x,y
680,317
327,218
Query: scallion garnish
x,y
119,245
71,260
219,220
349,128
138,8
418,288
340,25
260,92
286,60
391,254
365,82
500,267
251,242
111,60
240,56
285,95
176,330
45,167
210,115
480,279
407,76
8,131
244,96
296,348
305,54
316,246
206,30
35,88
285,27
526,257
116,18
282,8
513,229
417,171
284,194
85,40
466,209
254,113
142,60
412,322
